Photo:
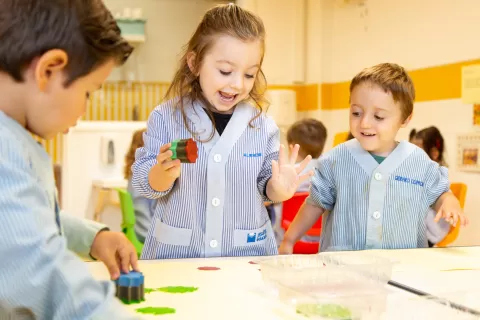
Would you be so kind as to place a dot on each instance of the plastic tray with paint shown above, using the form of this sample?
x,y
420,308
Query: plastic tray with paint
x,y
338,272
381,306
330,286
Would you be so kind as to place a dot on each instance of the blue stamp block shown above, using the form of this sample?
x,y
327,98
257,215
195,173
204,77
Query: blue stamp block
x,y
130,287
131,279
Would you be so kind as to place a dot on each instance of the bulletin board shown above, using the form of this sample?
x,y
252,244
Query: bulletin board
x,y
468,154
471,84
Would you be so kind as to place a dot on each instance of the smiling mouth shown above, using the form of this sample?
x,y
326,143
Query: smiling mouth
x,y
227,97
365,134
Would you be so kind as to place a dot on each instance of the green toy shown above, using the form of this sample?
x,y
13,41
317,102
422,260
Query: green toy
x,y
128,219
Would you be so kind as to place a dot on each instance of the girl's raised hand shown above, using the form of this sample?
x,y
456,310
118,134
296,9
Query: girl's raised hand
x,y
286,174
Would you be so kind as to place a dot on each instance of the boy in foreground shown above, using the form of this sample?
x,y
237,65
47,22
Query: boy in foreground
x,y
54,54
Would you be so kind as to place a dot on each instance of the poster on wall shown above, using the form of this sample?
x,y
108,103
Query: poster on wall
x,y
468,144
468,155
471,84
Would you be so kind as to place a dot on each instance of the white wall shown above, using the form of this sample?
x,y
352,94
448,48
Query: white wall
x,y
285,23
82,163
415,34
170,23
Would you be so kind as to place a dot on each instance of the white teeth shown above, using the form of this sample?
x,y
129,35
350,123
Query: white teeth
x,y
227,96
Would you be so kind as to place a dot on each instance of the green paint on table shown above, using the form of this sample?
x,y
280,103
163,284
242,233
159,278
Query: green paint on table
x,y
177,289
150,290
328,311
156,310
125,301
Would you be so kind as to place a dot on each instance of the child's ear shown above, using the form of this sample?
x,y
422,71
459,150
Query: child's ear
x,y
191,56
51,64
406,122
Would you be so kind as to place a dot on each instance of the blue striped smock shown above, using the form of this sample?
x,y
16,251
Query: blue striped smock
x,y
376,206
39,270
215,208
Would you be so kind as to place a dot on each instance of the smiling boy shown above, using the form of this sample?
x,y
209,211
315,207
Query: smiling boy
x,y
377,190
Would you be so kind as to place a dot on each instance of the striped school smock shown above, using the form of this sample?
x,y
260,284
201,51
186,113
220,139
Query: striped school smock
x,y
215,208
39,269
376,206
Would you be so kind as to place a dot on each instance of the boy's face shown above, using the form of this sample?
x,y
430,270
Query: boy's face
x,y
228,72
53,108
375,118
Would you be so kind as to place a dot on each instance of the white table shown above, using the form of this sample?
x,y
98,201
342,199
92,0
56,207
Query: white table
x,y
237,290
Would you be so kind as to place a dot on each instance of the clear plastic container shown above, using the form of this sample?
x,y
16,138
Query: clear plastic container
x,y
330,286
386,304
337,271
351,287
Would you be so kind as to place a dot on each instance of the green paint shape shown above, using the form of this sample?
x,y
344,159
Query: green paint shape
x,y
149,290
177,289
328,311
125,301
156,310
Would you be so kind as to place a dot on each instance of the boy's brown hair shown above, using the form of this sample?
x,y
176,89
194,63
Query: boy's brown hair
x,y
393,79
310,135
84,29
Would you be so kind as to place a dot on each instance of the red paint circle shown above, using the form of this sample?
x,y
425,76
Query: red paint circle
x,y
208,268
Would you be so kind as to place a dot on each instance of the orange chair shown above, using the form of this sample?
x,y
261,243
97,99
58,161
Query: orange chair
x,y
340,137
289,211
460,191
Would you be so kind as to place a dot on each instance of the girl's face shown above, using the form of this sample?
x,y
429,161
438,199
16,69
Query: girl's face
x,y
228,71
434,154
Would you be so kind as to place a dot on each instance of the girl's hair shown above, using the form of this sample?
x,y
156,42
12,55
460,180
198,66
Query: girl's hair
x,y
431,138
230,20
137,142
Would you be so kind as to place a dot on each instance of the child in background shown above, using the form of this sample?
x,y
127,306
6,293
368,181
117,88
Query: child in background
x,y
310,135
53,55
215,206
431,141
144,208
377,190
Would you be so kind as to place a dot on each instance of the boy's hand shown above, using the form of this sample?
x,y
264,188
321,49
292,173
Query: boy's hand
x,y
451,211
115,251
170,168
285,248
285,175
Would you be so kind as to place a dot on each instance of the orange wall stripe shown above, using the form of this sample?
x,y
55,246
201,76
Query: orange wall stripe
x,y
441,82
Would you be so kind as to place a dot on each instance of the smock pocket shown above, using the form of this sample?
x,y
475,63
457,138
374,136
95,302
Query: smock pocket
x,y
172,235
245,238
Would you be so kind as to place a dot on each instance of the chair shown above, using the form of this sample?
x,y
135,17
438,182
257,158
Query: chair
x,y
460,191
128,219
289,211
340,137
